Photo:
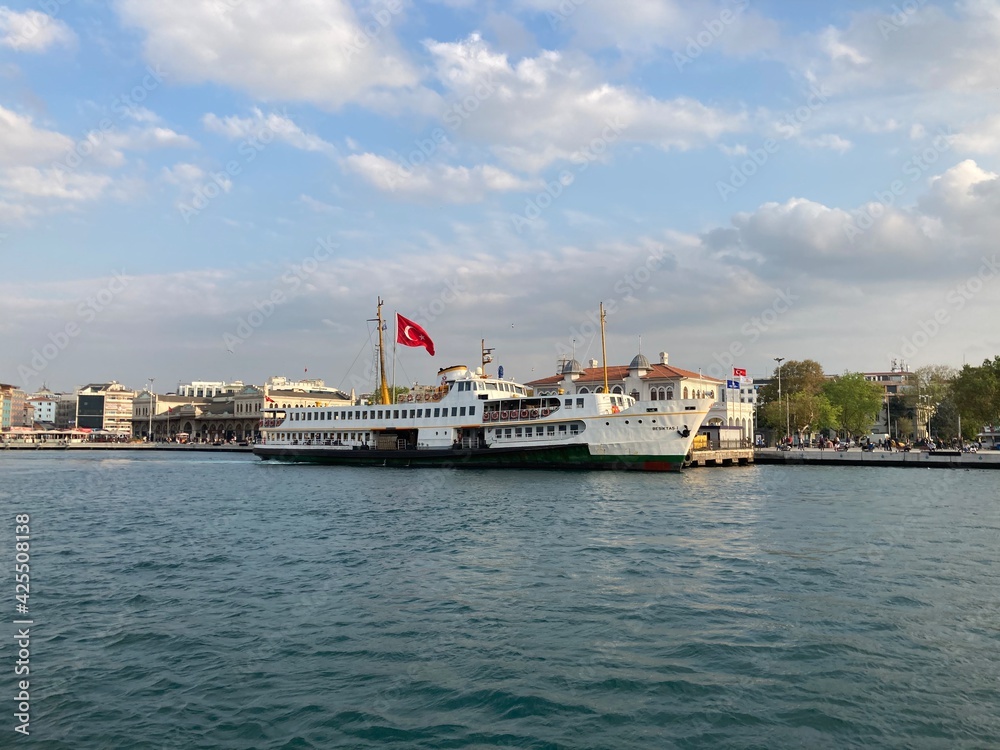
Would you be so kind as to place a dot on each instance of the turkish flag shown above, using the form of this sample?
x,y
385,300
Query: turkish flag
x,y
409,333
739,372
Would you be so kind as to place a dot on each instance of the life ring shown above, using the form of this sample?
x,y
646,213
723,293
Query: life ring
x,y
615,410
419,398
504,415
545,412
436,397
410,398
487,415
534,413
524,413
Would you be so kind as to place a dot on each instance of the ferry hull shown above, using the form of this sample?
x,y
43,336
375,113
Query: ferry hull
x,y
575,456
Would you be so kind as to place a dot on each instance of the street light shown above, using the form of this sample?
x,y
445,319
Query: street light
x,y
779,360
149,433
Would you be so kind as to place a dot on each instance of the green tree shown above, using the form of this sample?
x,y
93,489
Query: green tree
x,y
858,402
811,412
806,375
977,396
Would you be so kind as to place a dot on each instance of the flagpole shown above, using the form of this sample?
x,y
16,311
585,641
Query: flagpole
x,y
395,340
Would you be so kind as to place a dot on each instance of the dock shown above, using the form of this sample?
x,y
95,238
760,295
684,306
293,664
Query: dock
x,y
986,459
721,457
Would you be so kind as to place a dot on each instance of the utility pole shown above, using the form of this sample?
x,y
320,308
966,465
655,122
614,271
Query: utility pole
x,y
779,360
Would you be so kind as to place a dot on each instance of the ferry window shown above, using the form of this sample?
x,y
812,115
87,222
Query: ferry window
x,y
551,430
420,413
507,432
562,429
350,415
579,403
437,411
454,411
461,412
538,430
357,414
472,411
569,403
395,413
297,415
329,415
379,414
574,429
517,432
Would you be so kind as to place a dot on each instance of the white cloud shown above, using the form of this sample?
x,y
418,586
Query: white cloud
x,y
21,143
549,108
276,50
32,31
263,128
980,137
147,139
318,206
646,25
53,183
434,182
189,177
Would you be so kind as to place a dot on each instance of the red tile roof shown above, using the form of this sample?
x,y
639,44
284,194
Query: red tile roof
x,y
618,373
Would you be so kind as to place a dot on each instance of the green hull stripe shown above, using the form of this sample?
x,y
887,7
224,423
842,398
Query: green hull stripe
x,y
560,457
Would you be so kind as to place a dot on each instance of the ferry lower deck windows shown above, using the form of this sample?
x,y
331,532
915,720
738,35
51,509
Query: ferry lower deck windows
x,y
461,412
517,432
579,403
569,403
550,430
437,411
562,429
454,411
395,413
575,429
472,411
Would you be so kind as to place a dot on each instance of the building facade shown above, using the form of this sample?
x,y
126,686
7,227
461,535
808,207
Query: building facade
x,y
13,407
105,406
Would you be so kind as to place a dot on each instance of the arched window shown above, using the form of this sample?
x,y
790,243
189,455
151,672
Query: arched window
x,y
617,389
635,395
599,389
653,395
685,391
670,394
584,389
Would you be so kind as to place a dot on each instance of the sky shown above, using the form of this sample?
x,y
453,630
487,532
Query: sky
x,y
223,189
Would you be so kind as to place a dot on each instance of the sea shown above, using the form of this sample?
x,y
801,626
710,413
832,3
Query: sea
x,y
201,600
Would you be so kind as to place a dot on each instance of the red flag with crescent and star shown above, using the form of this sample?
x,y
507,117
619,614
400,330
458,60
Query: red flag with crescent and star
x,y
409,333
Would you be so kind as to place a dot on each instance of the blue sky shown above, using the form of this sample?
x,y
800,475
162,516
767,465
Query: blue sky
x,y
735,180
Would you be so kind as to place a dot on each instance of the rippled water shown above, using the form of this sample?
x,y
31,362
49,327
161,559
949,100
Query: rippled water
x,y
203,601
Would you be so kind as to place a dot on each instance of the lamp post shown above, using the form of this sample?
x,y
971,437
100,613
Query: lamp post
x,y
149,433
779,360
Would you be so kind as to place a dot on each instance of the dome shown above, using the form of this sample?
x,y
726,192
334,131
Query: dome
x,y
571,366
639,363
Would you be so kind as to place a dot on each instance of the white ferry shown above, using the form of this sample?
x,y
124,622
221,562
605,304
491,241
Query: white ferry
x,y
473,420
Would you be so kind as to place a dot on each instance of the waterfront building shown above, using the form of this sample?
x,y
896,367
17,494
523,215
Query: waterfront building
x,y
736,407
656,382
65,411
43,408
209,388
226,416
13,406
105,406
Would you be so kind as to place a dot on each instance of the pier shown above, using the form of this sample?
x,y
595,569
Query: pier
x,y
721,457
986,459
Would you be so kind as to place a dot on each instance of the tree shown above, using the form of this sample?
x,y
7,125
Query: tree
x,y
977,396
858,402
806,376
811,411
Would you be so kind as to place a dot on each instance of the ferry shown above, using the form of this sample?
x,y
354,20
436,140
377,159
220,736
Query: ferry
x,y
470,419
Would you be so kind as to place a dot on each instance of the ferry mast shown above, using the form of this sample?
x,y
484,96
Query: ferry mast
x,y
381,358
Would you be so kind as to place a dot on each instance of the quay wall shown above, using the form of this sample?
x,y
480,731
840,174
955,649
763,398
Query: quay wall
x,y
856,457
